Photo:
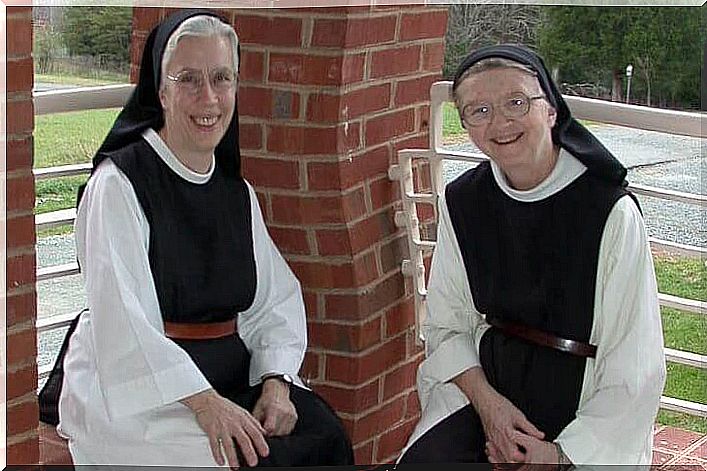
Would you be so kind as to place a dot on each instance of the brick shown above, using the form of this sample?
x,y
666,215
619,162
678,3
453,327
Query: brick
x,y
21,308
321,209
271,172
350,400
22,417
425,25
21,270
366,303
352,68
412,405
24,452
20,75
20,232
366,100
325,108
341,175
22,112
22,381
415,90
418,141
392,253
400,379
251,67
363,454
289,240
19,36
254,101
305,69
391,443
299,140
362,368
384,192
348,32
395,61
423,118
433,56
310,366
388,126
323,275
268,31
400,318
261,102
356,238
20,191
19,153
345,337
379,421
21,346
311,304
144,19
250,136
53,450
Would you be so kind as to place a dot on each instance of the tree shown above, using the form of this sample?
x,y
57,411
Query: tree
x,y
585,44
472,26
98,31
664,44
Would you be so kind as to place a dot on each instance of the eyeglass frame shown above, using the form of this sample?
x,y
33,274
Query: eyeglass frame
x,y
200,85
492,108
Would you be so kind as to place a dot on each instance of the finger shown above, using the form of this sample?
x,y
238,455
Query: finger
x,y
258,440
246,447
258,413
492,453
526,426
270,424
216,449
255,423
230,449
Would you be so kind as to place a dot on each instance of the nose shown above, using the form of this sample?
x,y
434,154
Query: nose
x,y
207,92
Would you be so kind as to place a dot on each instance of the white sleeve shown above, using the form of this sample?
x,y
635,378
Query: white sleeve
x,y
453,326
623,384
138,368
274,328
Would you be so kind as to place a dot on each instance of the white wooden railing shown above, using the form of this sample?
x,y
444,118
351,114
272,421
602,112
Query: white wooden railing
x,y
640,117
61,101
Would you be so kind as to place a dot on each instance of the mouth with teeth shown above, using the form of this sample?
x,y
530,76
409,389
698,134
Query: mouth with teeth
x,y
205,123
508,139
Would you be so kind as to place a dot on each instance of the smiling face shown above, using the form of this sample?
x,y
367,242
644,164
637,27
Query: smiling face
x,y
522,146
196,122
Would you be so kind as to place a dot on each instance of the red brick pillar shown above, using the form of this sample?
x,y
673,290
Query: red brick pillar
x,y
21,380
327,97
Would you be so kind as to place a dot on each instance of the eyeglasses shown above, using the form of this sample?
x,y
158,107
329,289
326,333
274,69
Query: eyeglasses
x,y
512,106
222,80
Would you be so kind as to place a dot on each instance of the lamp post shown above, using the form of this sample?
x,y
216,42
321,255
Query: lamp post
x,y
629,73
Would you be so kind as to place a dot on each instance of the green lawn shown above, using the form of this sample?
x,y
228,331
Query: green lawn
x,y
96,78
684,277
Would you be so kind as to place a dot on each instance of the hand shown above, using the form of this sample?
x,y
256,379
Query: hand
x,y
500,419
539,455
538,451
274,410
222,420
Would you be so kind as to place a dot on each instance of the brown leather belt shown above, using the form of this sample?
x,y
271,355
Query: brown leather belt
x,y
196,331
544,339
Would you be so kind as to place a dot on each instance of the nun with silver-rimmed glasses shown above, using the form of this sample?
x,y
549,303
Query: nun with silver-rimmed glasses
x,y
543,337
190,350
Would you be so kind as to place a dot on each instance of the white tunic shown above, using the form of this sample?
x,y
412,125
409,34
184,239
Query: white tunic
x,y
123,378
622,385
